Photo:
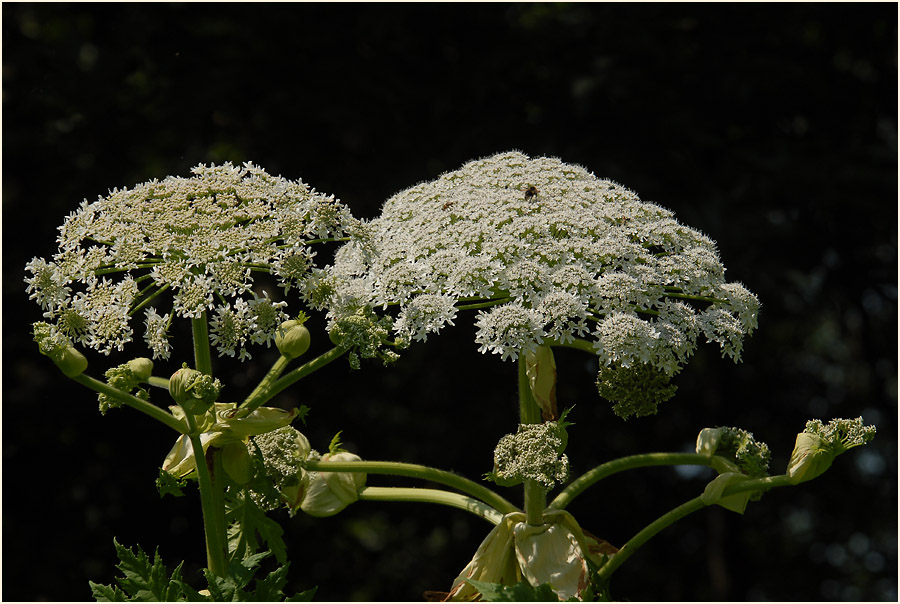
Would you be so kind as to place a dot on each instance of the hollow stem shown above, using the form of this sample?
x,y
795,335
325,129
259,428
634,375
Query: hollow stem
x,y
393,468
455,500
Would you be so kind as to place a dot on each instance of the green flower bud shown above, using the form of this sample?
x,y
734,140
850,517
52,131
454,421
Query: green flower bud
x,y
812,455
292,339
57,346
236,461
71,362
330,492
193,390
141,367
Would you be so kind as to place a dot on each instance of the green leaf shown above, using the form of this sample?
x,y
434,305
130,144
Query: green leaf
x,y
167,484
107,593
247,521
336,446
141,581
303,596
520,592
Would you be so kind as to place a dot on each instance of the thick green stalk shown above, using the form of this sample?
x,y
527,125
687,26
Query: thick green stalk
x,y
304,370
432,496
263,391
530,413
394,468
673,515
132,401
580,484
213,519
202,355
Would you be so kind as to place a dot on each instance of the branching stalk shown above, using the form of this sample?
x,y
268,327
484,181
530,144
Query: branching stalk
x,y
133,402
432,496
393,468
580,484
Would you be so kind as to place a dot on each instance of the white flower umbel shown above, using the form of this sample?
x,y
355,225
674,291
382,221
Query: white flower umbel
x,y
549,254
202,239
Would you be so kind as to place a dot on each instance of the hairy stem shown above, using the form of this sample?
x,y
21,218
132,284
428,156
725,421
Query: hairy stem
x,y
580,484
417,471
432,496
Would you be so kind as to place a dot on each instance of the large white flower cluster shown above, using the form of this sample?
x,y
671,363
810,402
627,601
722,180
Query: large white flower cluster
x,y
548,254
201,238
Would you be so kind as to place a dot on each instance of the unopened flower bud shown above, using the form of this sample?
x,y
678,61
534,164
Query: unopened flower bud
x,y
69,360
330,492
193,390
141,367
292,339
812,455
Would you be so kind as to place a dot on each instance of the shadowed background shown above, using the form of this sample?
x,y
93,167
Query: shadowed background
x,y
773,129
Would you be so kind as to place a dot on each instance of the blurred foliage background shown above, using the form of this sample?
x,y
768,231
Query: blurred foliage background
x,y
772,128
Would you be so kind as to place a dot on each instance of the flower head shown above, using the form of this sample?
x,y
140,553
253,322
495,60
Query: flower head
x,y
818,445
202,238
549,254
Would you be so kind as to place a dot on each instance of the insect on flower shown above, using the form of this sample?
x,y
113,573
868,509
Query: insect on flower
x,y
531,191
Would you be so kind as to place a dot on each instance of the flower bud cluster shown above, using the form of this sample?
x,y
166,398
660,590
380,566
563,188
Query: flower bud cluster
x,y
126,377
193,390
534,452
284,454
818,445
54,344
549,253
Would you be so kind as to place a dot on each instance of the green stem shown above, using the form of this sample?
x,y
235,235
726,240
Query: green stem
x,y
418,471
673,515
209,502
158,382
304,370
487,304
202,355
262,392
432,496
133,402
530,413
577,486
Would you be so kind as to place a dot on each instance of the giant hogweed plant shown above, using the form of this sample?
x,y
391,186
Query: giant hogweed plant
x,y
539,253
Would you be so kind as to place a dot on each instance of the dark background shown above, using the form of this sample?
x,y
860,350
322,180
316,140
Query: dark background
x,y
772,128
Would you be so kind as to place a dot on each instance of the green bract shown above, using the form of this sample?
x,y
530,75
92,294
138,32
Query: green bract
x,y
330,492
219,426
818,445
556,552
